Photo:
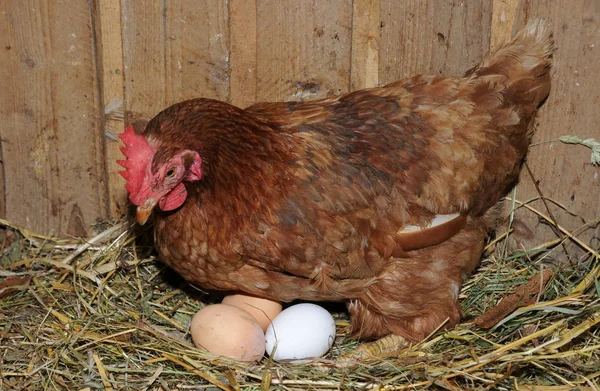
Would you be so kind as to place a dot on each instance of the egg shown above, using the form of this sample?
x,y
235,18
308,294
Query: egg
x,y
226,330
301,331
263,310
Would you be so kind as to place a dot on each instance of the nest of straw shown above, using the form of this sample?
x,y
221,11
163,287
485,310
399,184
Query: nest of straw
x,y
106,314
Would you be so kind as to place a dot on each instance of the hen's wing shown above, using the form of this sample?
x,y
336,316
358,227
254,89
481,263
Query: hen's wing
x,y
372,162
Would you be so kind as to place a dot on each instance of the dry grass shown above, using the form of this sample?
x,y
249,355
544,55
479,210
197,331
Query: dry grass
x,y
106,314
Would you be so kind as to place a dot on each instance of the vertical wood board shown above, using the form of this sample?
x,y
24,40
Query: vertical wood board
x,y
144,35
303,49
243,56
366,26
50,111
110,53
433,37
197,50
173,51
504,13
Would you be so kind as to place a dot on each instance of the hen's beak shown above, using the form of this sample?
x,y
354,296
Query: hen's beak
x,y
143,212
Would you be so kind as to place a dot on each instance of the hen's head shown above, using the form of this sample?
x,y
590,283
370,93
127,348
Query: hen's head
x,y
156,178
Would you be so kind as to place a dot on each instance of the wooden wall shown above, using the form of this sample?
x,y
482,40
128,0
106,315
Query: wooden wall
x,y
74,72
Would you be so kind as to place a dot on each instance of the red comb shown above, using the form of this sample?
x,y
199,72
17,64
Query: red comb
x,y
137,152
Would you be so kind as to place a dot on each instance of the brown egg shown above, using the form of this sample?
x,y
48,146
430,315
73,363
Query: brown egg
x,y
263,310
226,330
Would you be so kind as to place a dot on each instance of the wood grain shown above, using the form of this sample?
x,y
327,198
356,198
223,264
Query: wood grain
x,y
435,37
504,14
144,35
366,25
303,49
50,109
196,50
242,22
110,54
564,172
173,51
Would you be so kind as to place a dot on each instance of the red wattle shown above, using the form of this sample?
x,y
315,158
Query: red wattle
x,y
174,199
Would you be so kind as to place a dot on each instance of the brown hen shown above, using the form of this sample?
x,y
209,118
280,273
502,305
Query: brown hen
x,y
382,197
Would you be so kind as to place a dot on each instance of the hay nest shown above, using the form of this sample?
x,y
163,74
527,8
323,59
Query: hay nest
x,y
105,314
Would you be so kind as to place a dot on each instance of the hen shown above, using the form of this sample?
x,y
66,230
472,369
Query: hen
x,y
381,197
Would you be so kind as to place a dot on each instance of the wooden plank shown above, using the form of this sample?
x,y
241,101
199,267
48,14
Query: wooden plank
x,y
242,21
564,172
504,14
173,51
366,24
304,49
197,50
144,58
436,37
50,109
111,62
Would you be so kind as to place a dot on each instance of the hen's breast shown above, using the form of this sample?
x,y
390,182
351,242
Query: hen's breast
x,y
248,261
183,241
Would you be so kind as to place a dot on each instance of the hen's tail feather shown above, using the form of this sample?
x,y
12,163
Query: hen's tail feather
x,y
522,66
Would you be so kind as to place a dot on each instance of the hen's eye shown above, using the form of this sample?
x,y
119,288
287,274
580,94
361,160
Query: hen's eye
x,y
170,173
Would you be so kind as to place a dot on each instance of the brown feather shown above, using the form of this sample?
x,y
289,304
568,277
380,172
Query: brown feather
x,y
415,240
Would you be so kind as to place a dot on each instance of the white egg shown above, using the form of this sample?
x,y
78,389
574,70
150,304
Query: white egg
x,y
299,332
